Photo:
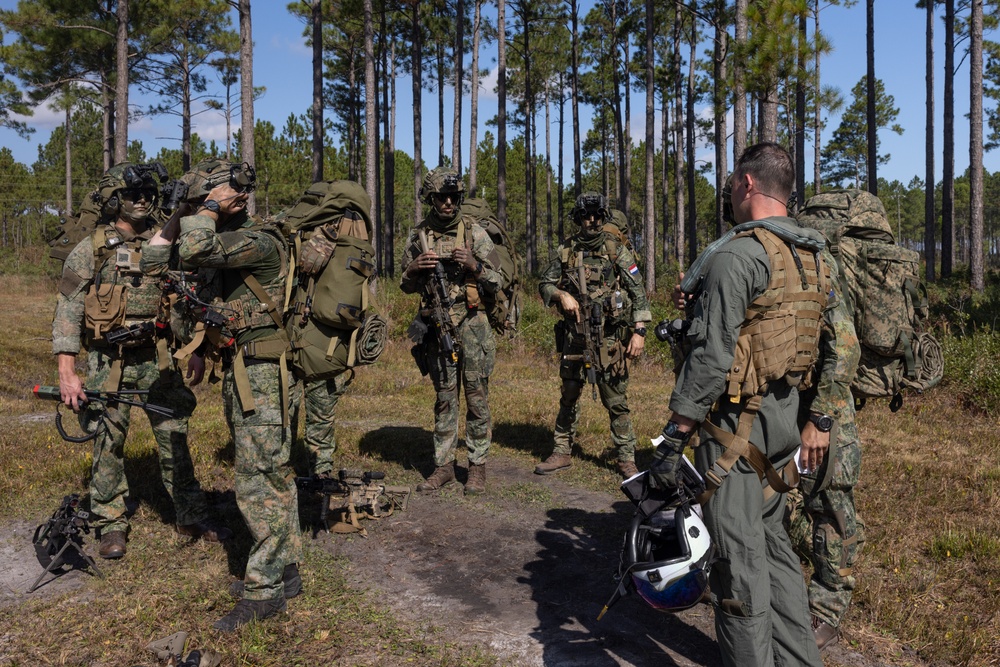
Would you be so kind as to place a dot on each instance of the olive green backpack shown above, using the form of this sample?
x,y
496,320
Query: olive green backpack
x,y
881,282
72,230
327,315
504,308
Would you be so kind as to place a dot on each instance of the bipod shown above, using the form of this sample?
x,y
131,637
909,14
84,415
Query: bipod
x,y
57,562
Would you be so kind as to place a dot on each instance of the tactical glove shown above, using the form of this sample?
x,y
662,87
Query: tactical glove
x,y
316,252
666,463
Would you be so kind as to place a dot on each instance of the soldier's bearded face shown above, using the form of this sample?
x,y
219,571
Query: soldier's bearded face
x,y
592,224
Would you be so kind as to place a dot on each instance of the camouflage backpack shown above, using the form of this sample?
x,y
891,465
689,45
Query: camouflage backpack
x,y
332,260
880,280
72,230
504,308
617,226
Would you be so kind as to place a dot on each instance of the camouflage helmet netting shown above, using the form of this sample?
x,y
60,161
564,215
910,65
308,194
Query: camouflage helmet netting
x,y
205,176
440,180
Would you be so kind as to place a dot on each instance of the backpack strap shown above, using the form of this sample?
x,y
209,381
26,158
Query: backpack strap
x,y
738,445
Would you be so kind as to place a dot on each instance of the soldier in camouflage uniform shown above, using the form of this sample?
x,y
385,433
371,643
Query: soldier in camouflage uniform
x,y
102,289
820,516
251,264
613,284
320,398
469,262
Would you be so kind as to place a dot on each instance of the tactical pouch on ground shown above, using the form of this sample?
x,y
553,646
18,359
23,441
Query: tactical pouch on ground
x,y
881,281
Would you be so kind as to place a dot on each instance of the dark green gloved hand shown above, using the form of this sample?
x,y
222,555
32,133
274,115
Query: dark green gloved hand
x,y
666,463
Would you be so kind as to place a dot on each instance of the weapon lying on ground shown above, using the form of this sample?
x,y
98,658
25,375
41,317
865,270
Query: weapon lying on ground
x,y
441,304
365,497
63,530
590,327
103,397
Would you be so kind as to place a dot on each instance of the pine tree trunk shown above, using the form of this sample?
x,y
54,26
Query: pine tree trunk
x,y
502,112
548,170
186,115
456,141
665,168
388,155
739,84
247,145
121,84
474,101
948,162
692,212
317,91
439,50
930,215
416,68
720,76
371,122
818,117
649,205
678,147
559,152
872,120
69,160
800,114
976,148
577,161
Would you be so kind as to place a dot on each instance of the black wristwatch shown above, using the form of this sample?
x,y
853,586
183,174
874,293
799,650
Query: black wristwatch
x,y
672,430
823,423
211,205
640,332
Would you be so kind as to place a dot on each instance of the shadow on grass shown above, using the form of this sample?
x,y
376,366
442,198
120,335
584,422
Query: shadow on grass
x,y
538,441
409,446
573,577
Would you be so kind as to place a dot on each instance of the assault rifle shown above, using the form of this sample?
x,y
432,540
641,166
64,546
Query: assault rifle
x,y
62,531
589,327
103,397
441,304
204,313
366,497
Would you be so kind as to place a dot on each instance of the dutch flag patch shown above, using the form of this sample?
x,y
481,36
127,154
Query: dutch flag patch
x,y
633,270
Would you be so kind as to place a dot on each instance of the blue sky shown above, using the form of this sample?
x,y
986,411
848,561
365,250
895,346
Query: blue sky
x,y
282,65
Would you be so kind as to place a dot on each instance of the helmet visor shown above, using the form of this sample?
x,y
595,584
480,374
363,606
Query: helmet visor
x,y
682,593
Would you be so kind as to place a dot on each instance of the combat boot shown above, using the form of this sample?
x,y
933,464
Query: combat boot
x,y
249,610
825,634
554,463
112,544
441,476
627,469
476,484
206,529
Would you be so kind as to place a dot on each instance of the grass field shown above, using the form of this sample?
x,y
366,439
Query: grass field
x,y
928,576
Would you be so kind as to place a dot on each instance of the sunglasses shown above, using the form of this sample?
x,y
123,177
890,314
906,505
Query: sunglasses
x,y
442,197
135,194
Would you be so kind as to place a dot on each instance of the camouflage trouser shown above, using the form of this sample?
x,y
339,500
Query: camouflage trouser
x,y
265,481
108,486
475,364
825,529
613,390
320,399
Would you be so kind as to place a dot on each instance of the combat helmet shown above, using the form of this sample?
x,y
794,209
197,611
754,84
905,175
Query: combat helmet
x,y
213,172
129,176
441,180
590,203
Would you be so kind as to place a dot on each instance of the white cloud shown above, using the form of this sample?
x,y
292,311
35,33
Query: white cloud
x,y
44,118
488,85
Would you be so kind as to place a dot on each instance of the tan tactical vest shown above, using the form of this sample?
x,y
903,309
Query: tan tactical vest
x,y
603,284
779,338
462,287
120,295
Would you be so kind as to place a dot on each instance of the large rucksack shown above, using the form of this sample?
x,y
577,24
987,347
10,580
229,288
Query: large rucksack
x,y
72,230
328,323
504,308
881,281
